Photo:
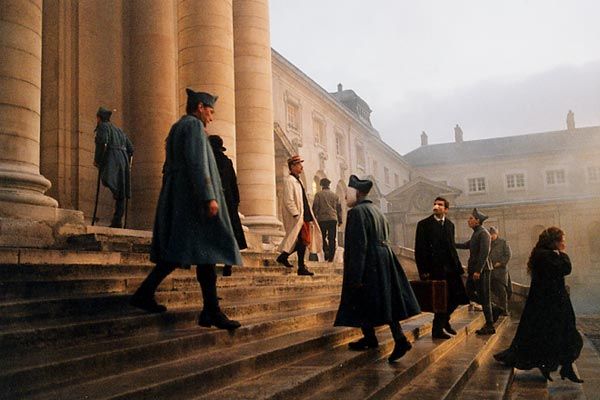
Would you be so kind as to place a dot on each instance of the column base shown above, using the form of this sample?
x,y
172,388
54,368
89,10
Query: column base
x,y
26,225
265,232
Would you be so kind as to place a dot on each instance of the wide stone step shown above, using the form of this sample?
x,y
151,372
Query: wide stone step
x,y
80,328
380,380
45,370
12,313
195,372
50,289
445,379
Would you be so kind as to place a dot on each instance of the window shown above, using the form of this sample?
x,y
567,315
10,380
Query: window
x,y
375,168
476,185
340,144
319,131
594,174
293,113
386,175
555,177
396,180
360,155
515,181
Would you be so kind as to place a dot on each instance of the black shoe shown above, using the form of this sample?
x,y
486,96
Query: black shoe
x,y
400,349
282,259
118,225
147,304
363,344
217,319
439,334
227,270
486,330
449,329
567,372
546,373
304,271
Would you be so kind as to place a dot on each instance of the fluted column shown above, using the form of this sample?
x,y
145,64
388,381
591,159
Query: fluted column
x,y
20,94
205,39
254,114
153,106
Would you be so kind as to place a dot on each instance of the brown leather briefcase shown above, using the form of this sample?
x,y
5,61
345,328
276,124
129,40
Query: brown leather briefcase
x,y
431,295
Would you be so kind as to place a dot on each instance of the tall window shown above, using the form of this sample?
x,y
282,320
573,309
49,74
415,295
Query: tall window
x,y
594,174
515,181
386,175
375,168
555,177
396,180
340,144
476,185
360,155
293,116
319,131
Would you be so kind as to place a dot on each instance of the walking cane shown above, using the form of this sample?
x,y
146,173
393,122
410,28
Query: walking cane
x,y
127,198
94,219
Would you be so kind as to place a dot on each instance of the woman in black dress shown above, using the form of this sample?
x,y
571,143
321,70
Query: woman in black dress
x,y
546,336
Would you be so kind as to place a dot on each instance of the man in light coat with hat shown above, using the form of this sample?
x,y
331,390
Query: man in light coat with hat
x,y
301,227
479,268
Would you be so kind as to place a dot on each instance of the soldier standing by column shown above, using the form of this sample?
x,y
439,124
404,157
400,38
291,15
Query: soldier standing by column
x,y
112,158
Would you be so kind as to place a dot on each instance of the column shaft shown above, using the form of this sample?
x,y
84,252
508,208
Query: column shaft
x,y
205,37
254,114
20,94
153,102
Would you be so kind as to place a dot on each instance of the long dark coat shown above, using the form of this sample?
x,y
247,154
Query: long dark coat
x,y
547,335
113,150
232,194
183,232
435,254
375,290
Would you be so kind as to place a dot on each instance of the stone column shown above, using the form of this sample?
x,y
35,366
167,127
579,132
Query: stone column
x,y
20,94
254,115
153,102
205,37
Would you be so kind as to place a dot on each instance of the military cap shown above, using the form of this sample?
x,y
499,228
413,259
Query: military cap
x,y
202,97
493,230
104,113
362,185
479,215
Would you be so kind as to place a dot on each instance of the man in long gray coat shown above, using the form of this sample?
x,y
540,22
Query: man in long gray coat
x,y
479,269
192,225
112,156
500,283
375,290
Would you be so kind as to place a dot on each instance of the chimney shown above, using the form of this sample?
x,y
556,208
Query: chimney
x,y
340,87
424,139
458,134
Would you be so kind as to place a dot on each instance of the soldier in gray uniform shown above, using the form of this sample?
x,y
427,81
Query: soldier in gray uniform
x,y
500,283
479,269
112,155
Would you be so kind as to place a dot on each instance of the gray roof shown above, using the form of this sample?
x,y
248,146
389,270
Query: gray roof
x,y
505,147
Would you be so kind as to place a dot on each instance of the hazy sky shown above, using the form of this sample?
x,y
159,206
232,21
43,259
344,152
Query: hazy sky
x,y
497,68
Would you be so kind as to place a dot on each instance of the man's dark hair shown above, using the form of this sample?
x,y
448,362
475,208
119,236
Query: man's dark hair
x,y
446,202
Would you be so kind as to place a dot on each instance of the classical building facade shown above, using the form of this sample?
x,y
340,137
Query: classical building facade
x,y
524,183
333,134
62,59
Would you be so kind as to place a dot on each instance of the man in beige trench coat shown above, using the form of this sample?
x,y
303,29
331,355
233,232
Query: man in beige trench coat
x,y
301,227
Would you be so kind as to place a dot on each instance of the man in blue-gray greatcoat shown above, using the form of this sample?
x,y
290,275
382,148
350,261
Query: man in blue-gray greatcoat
x,y
192,224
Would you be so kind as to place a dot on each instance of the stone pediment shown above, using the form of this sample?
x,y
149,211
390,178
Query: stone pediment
x,y
417,195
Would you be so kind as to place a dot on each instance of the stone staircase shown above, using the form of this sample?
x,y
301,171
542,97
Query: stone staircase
x,y
67,332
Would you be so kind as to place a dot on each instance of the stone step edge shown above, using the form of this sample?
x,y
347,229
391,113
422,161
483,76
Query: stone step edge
x,y
173,310
210,335
219,370
421,361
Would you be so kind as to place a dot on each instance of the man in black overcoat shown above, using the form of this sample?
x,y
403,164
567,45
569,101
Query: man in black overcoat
x,y
192,224
375,290
112,157
437,259
231,192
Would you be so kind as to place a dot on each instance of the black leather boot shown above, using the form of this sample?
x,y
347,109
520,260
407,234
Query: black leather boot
x,y
218,319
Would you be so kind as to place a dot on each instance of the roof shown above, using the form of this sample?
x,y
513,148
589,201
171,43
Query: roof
x,y
504,147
